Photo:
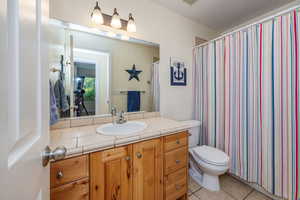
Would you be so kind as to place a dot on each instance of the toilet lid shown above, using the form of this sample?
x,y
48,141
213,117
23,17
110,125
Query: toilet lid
x,y
211,155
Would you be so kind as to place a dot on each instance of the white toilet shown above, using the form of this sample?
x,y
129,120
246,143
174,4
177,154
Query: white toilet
x,y
206,163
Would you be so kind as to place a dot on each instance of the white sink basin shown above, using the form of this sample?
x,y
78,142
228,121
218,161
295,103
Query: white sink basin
x,y
127,128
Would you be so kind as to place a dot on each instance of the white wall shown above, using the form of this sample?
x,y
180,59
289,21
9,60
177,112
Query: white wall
x,y
174,33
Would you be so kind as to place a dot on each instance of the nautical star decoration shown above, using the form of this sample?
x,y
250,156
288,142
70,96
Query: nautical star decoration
x,y
178,72
134,73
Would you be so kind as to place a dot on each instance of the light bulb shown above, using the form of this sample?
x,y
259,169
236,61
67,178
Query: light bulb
x,y
115,20
96,16
131,27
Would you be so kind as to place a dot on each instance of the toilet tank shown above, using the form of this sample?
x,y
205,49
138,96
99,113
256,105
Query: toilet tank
x,y
194,132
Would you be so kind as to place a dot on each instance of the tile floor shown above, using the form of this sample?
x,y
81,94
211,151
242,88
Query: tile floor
x,y
231,189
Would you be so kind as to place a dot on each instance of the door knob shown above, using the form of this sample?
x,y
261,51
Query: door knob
x,y
58,154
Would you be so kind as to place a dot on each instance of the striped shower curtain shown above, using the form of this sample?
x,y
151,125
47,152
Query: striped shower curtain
x,y
246,89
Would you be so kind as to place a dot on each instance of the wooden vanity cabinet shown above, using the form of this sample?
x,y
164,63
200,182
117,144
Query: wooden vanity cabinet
x,y
111,174
77,190
176,166
154,169
132,172
148,170
69,179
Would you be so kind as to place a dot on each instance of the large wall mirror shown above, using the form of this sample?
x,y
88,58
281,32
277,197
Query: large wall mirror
x,y
92,71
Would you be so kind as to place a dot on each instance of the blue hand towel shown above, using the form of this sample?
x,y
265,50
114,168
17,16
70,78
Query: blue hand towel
x,y
53,107
133,101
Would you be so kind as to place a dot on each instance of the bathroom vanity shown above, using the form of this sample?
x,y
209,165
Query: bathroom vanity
x,y
153,168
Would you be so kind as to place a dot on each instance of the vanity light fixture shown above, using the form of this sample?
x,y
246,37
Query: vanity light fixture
x,y
131,27
96,16
115,20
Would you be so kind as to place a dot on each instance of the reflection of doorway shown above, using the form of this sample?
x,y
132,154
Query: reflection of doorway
x,y
94,66
85,91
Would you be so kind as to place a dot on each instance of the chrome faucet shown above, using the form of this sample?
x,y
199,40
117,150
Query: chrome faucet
x,y
113,114
113,111
121,119
120,116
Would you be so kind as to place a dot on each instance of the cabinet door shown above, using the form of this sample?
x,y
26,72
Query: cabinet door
x,y
111,174
148,173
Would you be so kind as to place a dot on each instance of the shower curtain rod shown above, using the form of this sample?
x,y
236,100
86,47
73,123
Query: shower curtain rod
x,y
247,26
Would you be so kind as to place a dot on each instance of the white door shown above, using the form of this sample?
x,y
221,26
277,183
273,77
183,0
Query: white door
x,y
24,104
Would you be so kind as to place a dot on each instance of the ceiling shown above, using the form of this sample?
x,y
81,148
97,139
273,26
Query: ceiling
x,y
221,15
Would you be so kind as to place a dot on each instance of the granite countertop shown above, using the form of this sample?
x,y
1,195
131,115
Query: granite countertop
x,y
84,139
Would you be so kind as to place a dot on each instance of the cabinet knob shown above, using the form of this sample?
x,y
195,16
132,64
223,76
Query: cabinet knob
x,y
59,175
177,161
177,187
138,155
177,141
127,158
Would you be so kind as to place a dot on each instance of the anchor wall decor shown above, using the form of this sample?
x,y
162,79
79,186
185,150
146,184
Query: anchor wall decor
x,y
178,72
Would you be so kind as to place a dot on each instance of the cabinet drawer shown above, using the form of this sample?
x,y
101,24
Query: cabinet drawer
x,y
175,159
175,141
78,190
68,170
173,177
176,184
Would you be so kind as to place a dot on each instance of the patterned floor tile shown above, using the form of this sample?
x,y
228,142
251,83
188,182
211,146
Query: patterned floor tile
x,y
231,189
205,194
257,196
193,186
234,187
193,197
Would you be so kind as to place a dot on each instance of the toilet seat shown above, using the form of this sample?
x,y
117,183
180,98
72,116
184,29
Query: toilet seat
x,y
210,155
